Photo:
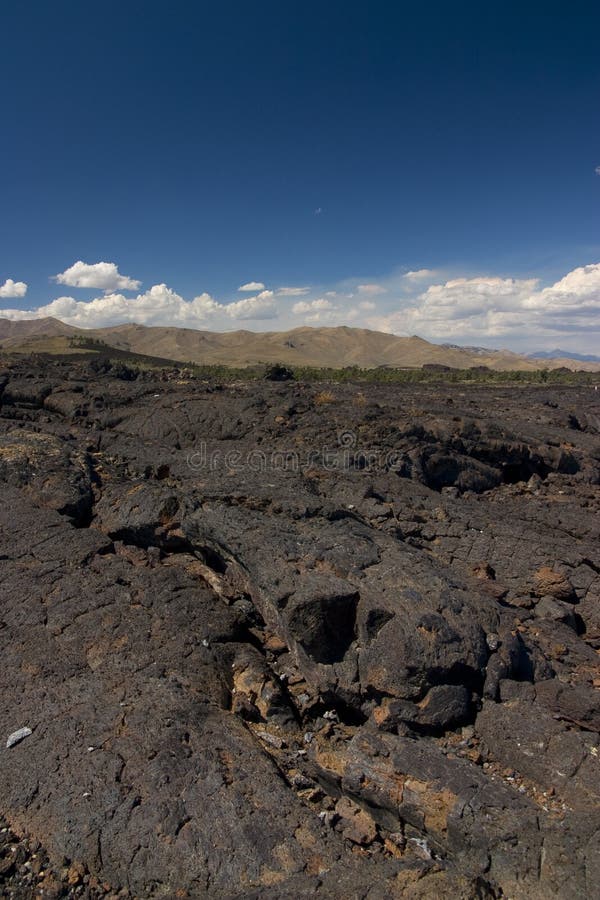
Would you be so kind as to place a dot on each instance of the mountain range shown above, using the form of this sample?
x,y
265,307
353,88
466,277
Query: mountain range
x,y
320,347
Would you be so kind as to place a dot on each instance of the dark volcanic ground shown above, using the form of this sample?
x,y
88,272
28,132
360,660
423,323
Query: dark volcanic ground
x,y
277,640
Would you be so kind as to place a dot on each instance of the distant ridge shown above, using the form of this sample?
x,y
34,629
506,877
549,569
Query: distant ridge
x,y
334,347
564,354
20,329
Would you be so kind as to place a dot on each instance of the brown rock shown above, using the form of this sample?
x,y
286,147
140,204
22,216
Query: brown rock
x,y
75,874
356,825
548,582
275,644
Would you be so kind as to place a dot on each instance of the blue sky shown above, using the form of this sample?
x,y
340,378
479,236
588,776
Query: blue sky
x,y
199,147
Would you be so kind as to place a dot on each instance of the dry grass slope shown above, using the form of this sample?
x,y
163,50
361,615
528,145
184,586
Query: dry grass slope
x,y
318,347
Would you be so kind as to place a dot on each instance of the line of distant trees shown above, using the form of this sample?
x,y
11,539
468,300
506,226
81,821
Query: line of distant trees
x,y
82,341
429,373
384,375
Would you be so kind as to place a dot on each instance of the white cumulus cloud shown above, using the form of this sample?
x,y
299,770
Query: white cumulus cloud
x,y
579,290
104,276
12,288
260,307
310,306
252,286
469,306
492,308
323,312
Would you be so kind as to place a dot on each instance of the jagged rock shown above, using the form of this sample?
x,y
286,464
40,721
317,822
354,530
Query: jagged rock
x,y
355,825
403,781
142,514
556,610
129,675
441,470
28,392
444,706
253,685
578,704
55,473
525,736
4,379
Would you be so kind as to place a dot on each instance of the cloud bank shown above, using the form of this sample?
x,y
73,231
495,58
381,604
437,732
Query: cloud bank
x,y
158,306
502,308
492,310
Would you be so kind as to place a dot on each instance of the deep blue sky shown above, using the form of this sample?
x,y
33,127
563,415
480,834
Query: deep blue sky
x,y
191,143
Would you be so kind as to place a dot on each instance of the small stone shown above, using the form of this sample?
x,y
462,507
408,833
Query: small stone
x,y
17,736
474,756
521,602
493,641
51,887
271,739
392,849
421,847
357,825
154,555
313,795
301,782
328,818
75,874
6,866
484,571
398,839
